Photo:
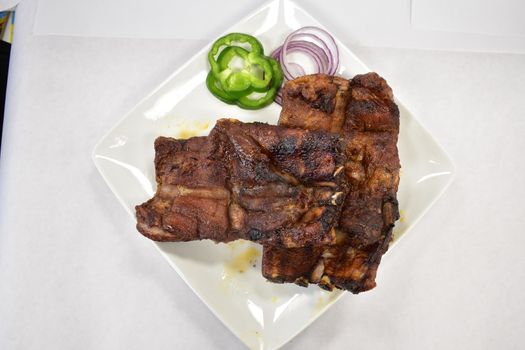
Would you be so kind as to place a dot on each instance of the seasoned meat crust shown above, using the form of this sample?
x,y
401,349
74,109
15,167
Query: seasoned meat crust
x,y
364,113
275,185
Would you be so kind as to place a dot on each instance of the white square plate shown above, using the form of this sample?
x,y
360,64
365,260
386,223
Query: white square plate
x,y
227,277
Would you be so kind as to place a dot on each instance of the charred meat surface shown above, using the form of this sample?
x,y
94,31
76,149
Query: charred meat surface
x,y
192,194
365,115
275,185
315,102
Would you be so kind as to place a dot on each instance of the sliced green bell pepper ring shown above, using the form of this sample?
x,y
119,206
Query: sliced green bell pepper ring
x,y
216,89
236,84
233,79
230,79
248,103
238,80
228,55
228,40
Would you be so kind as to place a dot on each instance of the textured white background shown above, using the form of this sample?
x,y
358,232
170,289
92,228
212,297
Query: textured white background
x,y
466,25
74,274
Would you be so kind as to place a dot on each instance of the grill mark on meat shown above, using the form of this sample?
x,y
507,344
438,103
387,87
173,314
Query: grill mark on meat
x,y
303,108
318,98
318,164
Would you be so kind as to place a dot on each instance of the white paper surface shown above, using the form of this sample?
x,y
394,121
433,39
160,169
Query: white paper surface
x,y
491,17
384,23
387,23
74,274
173,19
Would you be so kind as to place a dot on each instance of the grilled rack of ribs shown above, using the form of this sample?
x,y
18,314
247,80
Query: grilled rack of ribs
x,y
275,185
364,113
318,191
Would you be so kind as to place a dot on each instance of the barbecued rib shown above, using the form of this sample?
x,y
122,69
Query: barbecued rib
x,y
276,185
368,120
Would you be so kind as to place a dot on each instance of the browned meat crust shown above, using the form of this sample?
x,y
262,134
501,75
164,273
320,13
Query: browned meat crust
x,y
315,102
275,185
364,112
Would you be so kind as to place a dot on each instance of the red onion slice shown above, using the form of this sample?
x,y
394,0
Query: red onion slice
x,y
333,50
315,43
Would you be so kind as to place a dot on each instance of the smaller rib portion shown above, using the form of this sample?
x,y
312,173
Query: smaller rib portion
x,y
275,185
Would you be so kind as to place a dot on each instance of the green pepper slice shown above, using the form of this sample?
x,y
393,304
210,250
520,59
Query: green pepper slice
x,y
228,40
248,103
216,89
230,78
235,79
229,54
